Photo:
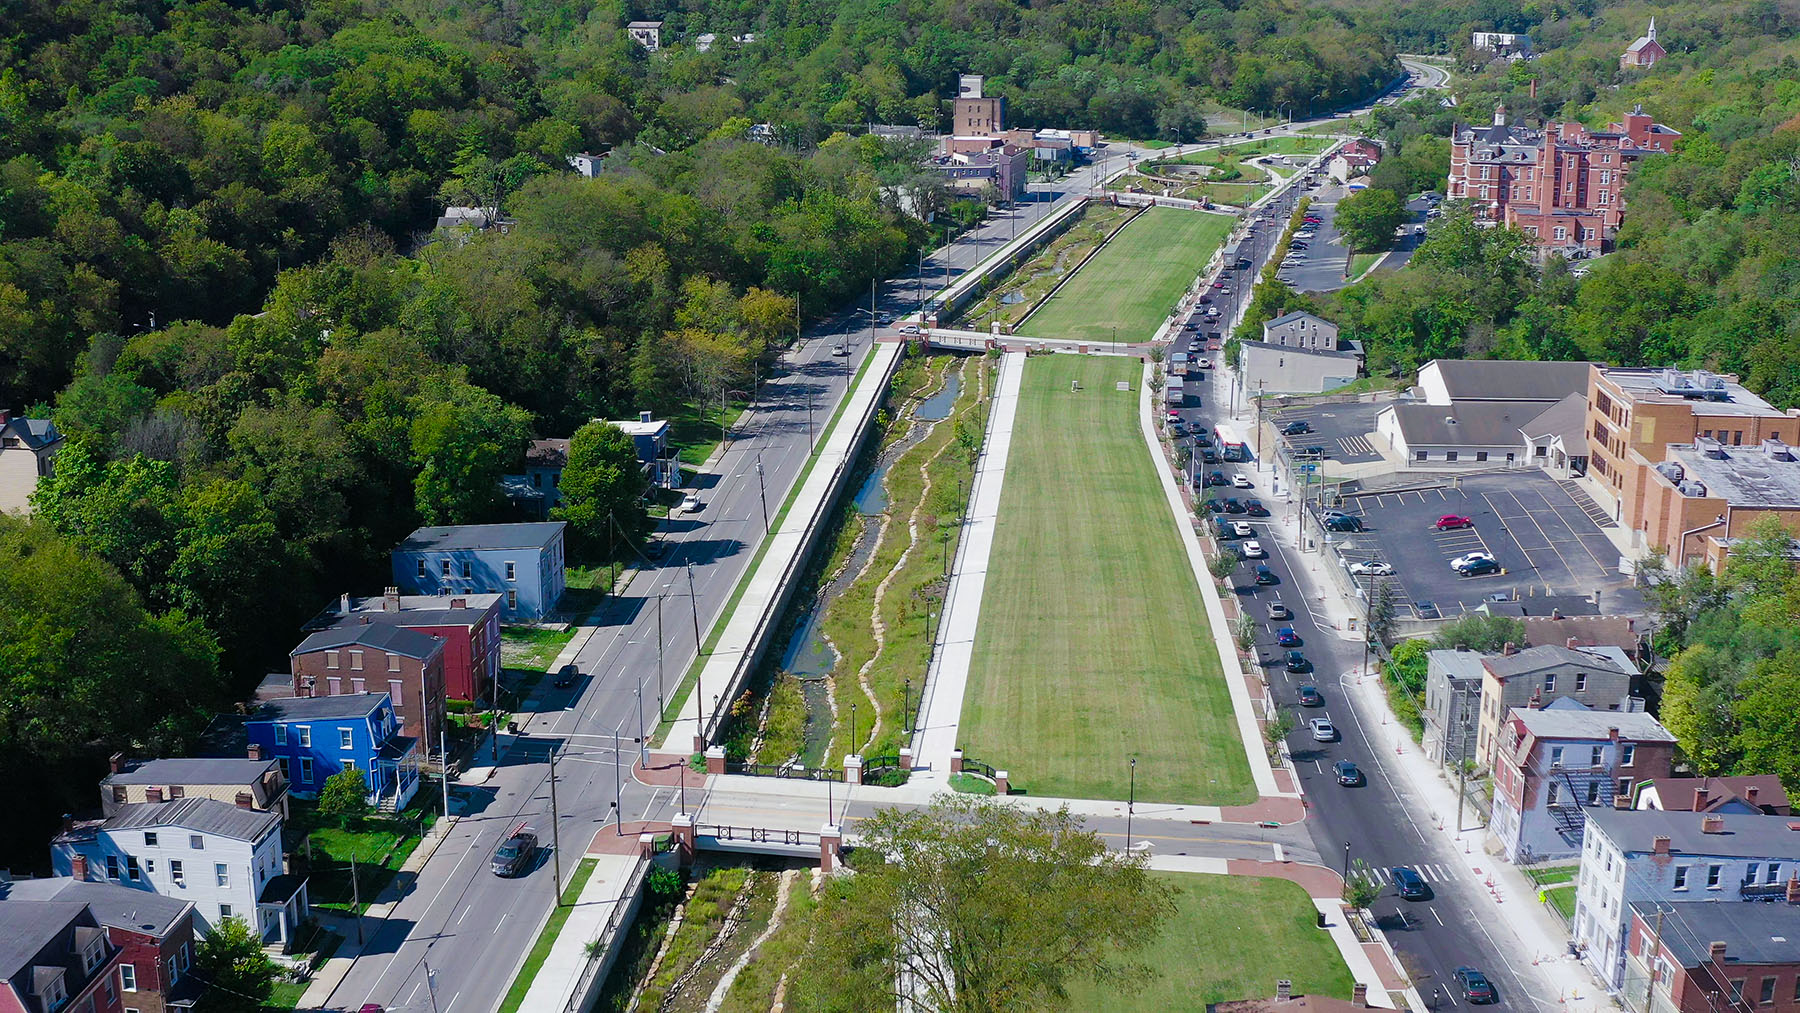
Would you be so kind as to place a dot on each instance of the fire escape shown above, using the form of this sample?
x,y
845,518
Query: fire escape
x,y
1578,788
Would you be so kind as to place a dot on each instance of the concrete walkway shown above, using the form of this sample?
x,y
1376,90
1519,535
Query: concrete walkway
x,y
948,677
562,969
763,586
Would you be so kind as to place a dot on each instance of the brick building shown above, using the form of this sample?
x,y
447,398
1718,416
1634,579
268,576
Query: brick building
x,y
99,947
468,624
373,658
1562,185
1710,957
1643,53
977,115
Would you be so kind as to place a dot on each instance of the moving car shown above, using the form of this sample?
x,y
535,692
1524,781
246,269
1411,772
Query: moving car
x,y
1409,884
1372,568
515,853
1241,482
1242,529
1453,522
1474,985
690,504
1254,508
1279,611
566,676
840,350
1296,662
1266,576
1254,550
1464,560
1311,697
1216,478
1232,506
1286,637
1322,730
1478,568
909,329
1347,774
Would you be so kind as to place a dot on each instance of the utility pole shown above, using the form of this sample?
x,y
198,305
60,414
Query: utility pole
x,y
445,779
699,690
1130,804
431,986
1462,768
1259,410
555,836
871,319
661,705
1650,961
355,897
809,423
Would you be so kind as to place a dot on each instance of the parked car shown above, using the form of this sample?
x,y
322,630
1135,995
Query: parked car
x,y
1286,637
1453,522
1241,481
1372,568
1242,529
1409,884
1216,478
1254,508
1232,506
1278,611
909,328
1474,985
1342,522
1425,608
1347,774
566,676
1296,427
1254,550
1296,662
1266,576
1322,730
1311,697
515,853
690,504
1464,560
1479,568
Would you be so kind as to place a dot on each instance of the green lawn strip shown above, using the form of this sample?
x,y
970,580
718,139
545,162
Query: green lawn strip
x,y
1039,275
1361,262
907,648
696,434
701,918
972,784
1093,644
540,950
532,646
1547,877
1230,938
1134,281
1562,898
737,593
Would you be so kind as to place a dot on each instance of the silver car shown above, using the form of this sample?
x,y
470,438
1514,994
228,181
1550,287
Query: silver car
x,y
1323,730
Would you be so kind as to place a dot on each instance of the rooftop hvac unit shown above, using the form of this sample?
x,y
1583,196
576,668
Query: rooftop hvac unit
x,y
1710,447
1697,383
1692,488
1672,471
1777,450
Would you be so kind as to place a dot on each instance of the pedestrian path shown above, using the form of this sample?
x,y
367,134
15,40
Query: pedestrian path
x,y
948,677
1430,872
564,967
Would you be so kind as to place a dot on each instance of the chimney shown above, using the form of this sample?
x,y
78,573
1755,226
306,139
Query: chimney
x,y
154,793
644,416
390,599
1574,642
1612,735
1509,650
78,868
1750,792
1659,845
1712,824
255,752
344,604
5,416
1534,87
245,801
1536,702
1793,890
117,762
1716,952
1700,799
459,603
1621,801
1359,995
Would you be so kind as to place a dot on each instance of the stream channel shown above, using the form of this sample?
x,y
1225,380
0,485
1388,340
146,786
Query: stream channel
x,y
809,658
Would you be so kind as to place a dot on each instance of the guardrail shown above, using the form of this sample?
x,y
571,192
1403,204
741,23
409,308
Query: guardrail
x,y
600,956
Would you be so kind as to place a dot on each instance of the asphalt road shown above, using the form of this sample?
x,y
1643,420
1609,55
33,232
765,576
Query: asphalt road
x,y
473,928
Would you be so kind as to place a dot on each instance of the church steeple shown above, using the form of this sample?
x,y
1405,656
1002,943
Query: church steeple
x,y
1652,35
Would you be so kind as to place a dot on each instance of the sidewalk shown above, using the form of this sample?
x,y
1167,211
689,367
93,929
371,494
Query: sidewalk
x,y
556,979
948,677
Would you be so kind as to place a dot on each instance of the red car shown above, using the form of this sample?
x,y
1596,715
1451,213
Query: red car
x,y
1450,522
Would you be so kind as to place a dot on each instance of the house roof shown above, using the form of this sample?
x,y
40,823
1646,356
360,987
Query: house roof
x,y
1542,605
1461,423
1677,793
1511,380
1329,353
320,708
1566,419
1456,664
27,926
1569,719
1745,836
392,639
193,770
35,433
1296,316
201,815
1753,934
410,610
482,536
1643,42
547,453
1616,631
1542,659
120,907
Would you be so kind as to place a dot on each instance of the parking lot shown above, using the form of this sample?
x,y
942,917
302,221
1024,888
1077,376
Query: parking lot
x,y
1544,541
1342,429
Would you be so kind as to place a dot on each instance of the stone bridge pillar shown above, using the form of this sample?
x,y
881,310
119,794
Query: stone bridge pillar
x,y
715,760
831,840
852,769
681,827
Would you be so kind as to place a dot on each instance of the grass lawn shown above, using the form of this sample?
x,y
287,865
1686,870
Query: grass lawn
x,y
380,848
1562,898
532,647
1134,281
1361,262
696,434
1229,938
1093,642
540,950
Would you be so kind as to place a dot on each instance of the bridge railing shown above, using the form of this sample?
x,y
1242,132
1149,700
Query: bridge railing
x,y
757,835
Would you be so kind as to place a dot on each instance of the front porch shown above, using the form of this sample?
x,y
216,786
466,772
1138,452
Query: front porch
x,y
283,906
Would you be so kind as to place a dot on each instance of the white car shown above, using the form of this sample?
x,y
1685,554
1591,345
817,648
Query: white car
x,y
1471,559
1241,482
1372,568
690,504
1254,550
1241,529
909,328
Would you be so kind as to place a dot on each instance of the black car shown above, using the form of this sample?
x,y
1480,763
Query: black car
x,y
514,854
1475,986
1409,884
1255,508
1311,697
566,676
1296,661
1478,567
1342,522
1208,454
1232,506
1296,428
1215,505
1347,774
1217,478
1202,437
1266,576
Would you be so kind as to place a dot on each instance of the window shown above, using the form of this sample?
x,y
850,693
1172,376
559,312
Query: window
x,y
1737,990
357,685
1624,786
306,770
1510,456
1605,197
1595,754
1550,686
128,977
512,597
224,911
349,763
149,838
112,866
394,691
281,735
1580,681
1561,233
196,842
222,874
175,872
1593,793
1550,793
331,659
131,868
1773,874
1481,455
356,661
1712,876
421,573
1750,873
393,662
1450,455
334,686
512,570
283,764
344,738
1737,438
1797,989
1681,872
1627,753
444,568
306,736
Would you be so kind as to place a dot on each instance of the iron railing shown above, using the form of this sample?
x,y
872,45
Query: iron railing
x,y
756,835
597,955
786,770
973,766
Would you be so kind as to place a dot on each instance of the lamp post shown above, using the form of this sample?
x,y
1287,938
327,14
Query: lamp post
x,y
699,690
1130,804
1346,863
906,703
762,493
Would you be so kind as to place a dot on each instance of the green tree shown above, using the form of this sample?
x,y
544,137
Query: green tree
x,y
1382,611
1368,218
463,440
1221,566
602,483
980,906
1769,718
1483,633
345,796
230,961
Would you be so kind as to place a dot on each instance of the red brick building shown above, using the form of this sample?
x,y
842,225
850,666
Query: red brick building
x,y
1643,54
93,948
468,624
1708,956
1562,185
366,657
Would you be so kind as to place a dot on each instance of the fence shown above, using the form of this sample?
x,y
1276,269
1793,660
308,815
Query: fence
x,y
604,946
972,766
786,770
757,835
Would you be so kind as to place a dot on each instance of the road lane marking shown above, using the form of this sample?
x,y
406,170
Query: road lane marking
x,y
1434,914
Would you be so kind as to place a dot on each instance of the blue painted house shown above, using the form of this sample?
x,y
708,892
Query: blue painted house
x,y
523,563
314,737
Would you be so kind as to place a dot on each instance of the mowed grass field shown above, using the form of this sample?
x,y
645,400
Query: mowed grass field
x,y
1229,938
1134,281
1093,644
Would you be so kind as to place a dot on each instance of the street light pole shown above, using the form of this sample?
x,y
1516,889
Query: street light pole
x,y
555,838
1130,804
662,705
699,687
762,493
1346,863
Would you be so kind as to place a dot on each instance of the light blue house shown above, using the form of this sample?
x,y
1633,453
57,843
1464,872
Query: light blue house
x,y
314,737
521,562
